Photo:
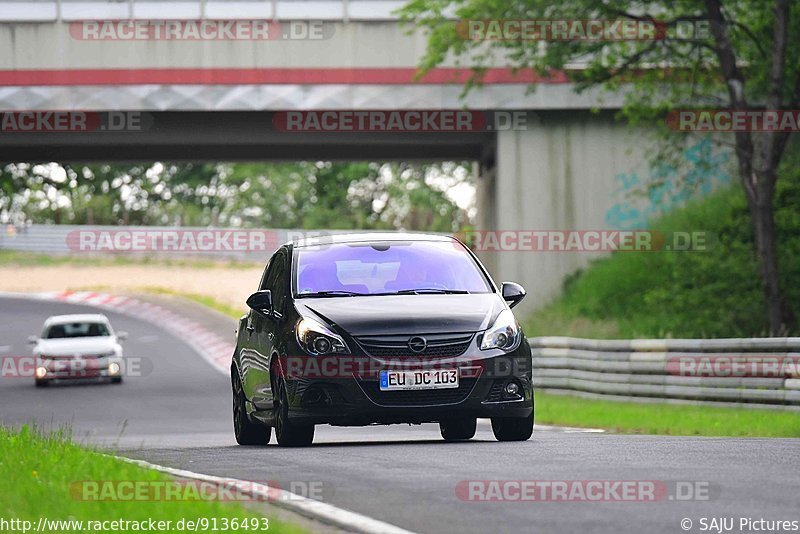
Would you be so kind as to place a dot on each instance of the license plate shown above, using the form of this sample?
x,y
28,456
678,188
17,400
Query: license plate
x,y
424,379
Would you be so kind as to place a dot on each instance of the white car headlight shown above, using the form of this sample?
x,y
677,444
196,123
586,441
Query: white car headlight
x,y
317,339
503,334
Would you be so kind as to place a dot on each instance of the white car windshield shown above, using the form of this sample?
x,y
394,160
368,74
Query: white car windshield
x,y
84,329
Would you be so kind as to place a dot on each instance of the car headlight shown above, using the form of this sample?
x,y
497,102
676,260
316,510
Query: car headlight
x,y
503,334
317,339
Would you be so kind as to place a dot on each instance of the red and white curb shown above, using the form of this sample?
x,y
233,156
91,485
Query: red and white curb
x,y
213,348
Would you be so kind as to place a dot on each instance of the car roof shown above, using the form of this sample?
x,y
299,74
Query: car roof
x,y
76,318
366,237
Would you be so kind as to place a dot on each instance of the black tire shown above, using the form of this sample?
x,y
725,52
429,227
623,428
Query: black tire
x,y
287,433
116,380
42,383
245,431
512,428
458,429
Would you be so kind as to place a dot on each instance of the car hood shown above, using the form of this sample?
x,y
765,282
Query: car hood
x,y
78,345
405,314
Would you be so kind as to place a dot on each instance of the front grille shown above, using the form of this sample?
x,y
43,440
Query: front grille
x,y
396,346
420,397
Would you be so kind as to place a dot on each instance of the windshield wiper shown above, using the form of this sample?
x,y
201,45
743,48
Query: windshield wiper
x,y
334,293
422,291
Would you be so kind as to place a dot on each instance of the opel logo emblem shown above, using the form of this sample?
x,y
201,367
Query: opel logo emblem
x,y
417,344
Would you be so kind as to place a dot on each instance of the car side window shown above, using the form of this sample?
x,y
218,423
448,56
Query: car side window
x,y
265,277
281,286
276,282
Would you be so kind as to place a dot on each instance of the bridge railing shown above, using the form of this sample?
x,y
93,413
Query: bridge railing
x,y
758,372
68,10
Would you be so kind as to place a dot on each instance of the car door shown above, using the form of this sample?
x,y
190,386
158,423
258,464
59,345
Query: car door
x,y
265,330
253,364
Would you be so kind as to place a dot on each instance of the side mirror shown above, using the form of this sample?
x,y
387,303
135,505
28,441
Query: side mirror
x,y
122,336
513,293
33,340
261,302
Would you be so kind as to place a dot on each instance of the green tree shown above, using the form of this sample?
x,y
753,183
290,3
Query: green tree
x,y
311,195
747,60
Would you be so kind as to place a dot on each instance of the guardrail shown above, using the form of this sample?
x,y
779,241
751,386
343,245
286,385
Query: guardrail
x,y
758,372
246,244
206,243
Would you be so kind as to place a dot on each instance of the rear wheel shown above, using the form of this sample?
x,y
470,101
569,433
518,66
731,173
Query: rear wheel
x,y
246,432
458,429
512,428
287,433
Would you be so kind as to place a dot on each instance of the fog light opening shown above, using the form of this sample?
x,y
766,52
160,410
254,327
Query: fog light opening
x,y
316,397
512,390
41,372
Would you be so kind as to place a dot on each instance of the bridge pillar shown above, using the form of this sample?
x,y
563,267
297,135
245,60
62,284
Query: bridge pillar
x,y
562,172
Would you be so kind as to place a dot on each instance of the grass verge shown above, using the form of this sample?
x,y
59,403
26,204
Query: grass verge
x,y
209,302
669,419
40,476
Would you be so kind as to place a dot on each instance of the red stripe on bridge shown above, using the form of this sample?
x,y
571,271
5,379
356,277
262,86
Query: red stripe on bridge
x,y
267,76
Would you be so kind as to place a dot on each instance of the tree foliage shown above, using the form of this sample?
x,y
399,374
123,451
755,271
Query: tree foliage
x,y
742,55
290,195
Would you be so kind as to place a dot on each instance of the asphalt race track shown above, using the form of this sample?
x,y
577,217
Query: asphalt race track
x,y
178,415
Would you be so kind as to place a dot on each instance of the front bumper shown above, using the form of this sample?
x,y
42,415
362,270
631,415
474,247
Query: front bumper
x,y
357,400
79,369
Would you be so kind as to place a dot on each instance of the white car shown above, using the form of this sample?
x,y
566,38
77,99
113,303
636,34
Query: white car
x,y
77,347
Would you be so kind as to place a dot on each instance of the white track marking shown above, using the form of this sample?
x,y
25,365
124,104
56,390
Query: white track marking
x,y
317,510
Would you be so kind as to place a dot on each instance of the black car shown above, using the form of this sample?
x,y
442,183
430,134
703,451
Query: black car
x,y
363,329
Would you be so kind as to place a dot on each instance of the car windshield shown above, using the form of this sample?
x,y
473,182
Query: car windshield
x,y
393,267
85,329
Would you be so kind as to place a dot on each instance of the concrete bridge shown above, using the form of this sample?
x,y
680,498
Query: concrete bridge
x,y
203,90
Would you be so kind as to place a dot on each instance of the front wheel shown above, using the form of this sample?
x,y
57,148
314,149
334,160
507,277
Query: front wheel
x,y
458,429
246,432
512,428
287,433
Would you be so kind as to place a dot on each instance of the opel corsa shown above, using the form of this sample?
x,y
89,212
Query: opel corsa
x,y
362,329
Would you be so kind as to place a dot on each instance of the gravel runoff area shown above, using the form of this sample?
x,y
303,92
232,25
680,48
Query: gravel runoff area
x,y
228,285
